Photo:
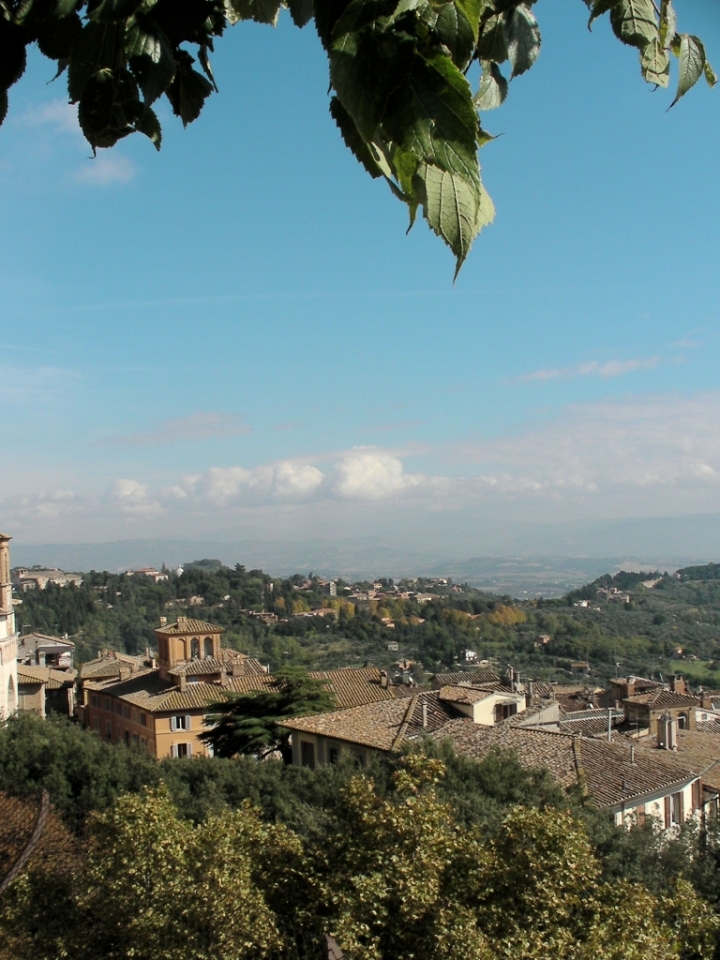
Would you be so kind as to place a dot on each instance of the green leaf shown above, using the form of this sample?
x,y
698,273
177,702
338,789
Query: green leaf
x,y
66,7
598,8
452,208
668,23
522,36
353,141
150,126
261,11
633,22
367,65
456,32
691,57
710,75
432,114
12,54
493,88
188,91
655,63
56,37
491,40
94,49
154,67
301,11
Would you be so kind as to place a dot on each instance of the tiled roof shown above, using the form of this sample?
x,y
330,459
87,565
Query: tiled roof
x,y
698,748
53,679
381,726
658,699
354,686
205,666
34,640
577,700
604,769
109,666
189,626
590,723
464,677
708,726
463,694
149,692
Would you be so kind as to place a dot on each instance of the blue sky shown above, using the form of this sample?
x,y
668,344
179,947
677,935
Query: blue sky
x,y
236,334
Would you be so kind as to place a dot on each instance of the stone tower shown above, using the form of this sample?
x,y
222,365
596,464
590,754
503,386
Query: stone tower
x,y
8,637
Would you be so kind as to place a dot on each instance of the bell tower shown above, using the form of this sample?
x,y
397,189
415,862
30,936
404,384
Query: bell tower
x,y
8,637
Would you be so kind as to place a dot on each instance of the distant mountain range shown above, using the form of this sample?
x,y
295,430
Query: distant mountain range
x,y
515,571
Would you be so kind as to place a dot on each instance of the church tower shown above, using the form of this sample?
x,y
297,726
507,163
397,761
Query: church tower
x,y
8,637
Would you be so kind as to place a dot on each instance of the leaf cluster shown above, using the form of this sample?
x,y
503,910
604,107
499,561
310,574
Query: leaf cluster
x,y
401,97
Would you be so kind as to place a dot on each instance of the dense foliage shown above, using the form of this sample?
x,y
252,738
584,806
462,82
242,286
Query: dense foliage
x,y
391,864
401,95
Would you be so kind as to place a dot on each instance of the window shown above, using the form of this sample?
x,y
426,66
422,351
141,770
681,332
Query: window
x,y
127,737
118,707
182,749
126,711
194,647
674,809
333,754
180,723
143,719
94,700
97,723
108,703
307,754
108,729
208,647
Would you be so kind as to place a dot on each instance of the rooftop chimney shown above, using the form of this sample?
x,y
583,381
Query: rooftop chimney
x,y
424,714
632,753
384,679
163,621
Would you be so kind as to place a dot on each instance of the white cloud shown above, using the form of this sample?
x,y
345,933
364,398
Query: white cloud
x,y
134,499
611,368
287,480
639,456
371,476
59,114
198,426
106,169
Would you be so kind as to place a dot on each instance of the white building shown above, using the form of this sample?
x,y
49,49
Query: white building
x,y
8,637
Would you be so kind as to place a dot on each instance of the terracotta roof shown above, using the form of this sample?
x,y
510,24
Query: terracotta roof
x,y
464,694
109,666
577,700
658,699
53,679
708,726
354,686
189,626
381,726
590,723
231,659
604,769
697,748
464,677
41,639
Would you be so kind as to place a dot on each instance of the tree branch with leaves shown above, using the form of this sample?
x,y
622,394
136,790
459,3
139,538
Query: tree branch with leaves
x,y
248,723
401,96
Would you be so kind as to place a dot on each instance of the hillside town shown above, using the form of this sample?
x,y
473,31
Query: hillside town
x,y
637,747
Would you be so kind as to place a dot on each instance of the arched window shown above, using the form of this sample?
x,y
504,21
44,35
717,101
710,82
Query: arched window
x,y
194,647
208,647
11,697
